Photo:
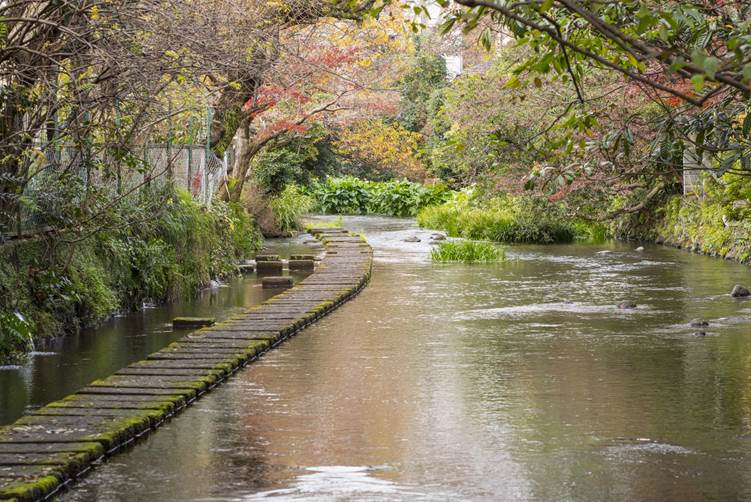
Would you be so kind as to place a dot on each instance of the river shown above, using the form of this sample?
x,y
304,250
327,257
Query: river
x,y
520,381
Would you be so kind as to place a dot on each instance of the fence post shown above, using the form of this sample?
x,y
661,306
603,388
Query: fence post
x,y
119,161
189,170
209,118
170,174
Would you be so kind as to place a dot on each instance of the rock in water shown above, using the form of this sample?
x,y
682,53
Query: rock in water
x,y
438,237
626,305
700,333
640,248
698,323
739,291
412,239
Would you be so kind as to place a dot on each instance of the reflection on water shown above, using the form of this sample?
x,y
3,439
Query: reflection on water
x,y
71,362
515,382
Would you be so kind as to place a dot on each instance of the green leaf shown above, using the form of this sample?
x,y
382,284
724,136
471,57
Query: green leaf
x,y
698,82
546,5
711,65
747,73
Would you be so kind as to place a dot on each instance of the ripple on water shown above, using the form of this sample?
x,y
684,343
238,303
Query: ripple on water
x,y
341,483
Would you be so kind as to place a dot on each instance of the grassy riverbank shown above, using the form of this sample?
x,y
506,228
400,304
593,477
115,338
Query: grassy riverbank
x,y
64,282
716,224
509,219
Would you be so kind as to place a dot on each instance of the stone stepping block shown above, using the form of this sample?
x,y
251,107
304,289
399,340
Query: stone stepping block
x,y
269,267
249,327
79,460
277,282
92,448
110,431
192,322
29,482
105,404
245,335
163,393
302,264
202,342
268,257
155,382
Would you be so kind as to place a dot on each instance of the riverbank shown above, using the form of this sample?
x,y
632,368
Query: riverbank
x,y
62,283
708,226
111,413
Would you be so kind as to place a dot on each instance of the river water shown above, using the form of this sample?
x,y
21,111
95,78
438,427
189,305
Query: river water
x,y
520,381
68,363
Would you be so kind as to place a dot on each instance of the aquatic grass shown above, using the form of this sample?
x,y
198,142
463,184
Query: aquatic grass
x,y
468,252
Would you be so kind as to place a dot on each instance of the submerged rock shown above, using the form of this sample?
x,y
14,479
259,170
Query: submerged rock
x,y
739,291
698,323
626,305
412,239
640,248
700,333
438,237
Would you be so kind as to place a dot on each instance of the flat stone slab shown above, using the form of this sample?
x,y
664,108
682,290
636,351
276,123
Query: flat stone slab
x,y
192,322
277,282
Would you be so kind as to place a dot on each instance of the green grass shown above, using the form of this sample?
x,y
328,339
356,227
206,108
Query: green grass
x,y
509,219
467,252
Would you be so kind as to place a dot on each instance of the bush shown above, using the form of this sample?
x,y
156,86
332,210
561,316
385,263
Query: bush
x,y
158,246
467,252
350,195
510,219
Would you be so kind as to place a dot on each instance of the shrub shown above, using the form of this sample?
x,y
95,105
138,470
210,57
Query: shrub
x,y
158,246
467,252
350,195
510,219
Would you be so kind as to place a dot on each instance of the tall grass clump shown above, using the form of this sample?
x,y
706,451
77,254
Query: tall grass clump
x,y
464,251
289,207
350,195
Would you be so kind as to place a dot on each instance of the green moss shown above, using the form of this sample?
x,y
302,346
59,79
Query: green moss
x,y
31,490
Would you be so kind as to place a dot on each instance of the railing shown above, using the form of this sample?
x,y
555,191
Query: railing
x,y
194,168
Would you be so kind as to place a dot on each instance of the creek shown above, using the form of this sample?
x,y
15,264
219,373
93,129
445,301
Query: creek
x,y
519,381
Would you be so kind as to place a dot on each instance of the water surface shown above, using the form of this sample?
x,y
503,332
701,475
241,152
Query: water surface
x,y
451,382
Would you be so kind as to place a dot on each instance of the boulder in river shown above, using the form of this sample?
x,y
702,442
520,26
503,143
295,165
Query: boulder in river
x,y
414,238
700,333
739,291
438,237
640,248
698,323
626,305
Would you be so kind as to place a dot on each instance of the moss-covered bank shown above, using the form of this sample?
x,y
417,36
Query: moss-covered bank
x,y
63,282
709,225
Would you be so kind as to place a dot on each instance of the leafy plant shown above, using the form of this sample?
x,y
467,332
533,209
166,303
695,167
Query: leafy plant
x,y
15,338
349,195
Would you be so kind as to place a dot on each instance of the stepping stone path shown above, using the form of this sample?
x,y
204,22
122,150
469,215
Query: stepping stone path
x,y
51,447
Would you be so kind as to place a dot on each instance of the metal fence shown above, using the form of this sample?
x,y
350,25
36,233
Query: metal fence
x,y
191,167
